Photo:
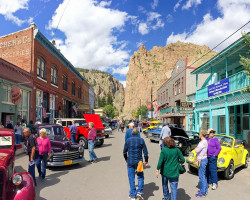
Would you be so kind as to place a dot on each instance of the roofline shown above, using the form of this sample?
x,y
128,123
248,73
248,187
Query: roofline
x,y
219,54
53,50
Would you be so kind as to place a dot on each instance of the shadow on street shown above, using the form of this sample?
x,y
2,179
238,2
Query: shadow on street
x,y
149,190
104,145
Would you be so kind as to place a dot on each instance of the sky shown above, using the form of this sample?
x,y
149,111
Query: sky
x,y
99,34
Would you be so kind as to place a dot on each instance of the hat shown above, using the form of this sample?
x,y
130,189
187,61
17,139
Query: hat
x,y
131,124
59,120
209,130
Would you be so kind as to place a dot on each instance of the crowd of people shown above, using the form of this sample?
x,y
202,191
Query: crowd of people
x,y
170,161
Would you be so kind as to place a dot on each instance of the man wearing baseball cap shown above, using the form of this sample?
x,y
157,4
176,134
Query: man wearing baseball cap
x,y
129,131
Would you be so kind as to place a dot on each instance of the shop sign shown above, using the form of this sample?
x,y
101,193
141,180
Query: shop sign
x,y
187,104
15,95
218,88
218,112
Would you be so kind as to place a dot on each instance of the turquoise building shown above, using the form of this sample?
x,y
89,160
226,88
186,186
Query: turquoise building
x,y
221,103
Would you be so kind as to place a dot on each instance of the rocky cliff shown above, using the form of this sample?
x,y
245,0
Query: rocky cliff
x,y
103,84
150,69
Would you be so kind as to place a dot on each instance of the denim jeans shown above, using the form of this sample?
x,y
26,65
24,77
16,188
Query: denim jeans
x,y
92,155
173,185
18,138
41,170
73,137
131,178
212,176
203,176
31,170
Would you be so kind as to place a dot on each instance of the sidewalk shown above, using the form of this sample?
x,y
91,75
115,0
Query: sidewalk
x,y
20,151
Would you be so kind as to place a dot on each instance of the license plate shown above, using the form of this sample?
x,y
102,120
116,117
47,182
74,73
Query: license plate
x,y
68,162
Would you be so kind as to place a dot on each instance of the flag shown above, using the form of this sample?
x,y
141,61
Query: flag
x,y
156,109
44,111
149,105
166,106
75,108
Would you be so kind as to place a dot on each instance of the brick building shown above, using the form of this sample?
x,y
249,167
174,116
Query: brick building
x,y
57,85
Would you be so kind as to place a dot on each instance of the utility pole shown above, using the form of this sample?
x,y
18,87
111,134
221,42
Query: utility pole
x,y
152,100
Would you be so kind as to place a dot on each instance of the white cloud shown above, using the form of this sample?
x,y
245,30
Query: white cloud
x,y
123,83
177,5
191,3
154,4
170,18
9,7
153,22
120,70
91,34
105,3
211,31
138,44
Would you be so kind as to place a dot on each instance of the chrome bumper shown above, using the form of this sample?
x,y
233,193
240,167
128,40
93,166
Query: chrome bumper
x,y
154,138
53,164
100,137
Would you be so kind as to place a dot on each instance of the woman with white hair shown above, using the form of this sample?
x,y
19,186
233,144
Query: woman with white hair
x,y
44,147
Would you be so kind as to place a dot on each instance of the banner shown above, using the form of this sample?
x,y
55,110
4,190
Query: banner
x,y
149,105
218,88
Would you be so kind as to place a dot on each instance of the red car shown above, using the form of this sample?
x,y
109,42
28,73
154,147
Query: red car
x,y
13,185
83,129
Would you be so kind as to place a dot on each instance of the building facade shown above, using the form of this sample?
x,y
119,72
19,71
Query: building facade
x,y
57,85
221,103
91,99
14,76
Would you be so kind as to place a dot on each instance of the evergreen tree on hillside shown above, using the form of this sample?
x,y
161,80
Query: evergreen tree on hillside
x,y
99,101
103,101
109,99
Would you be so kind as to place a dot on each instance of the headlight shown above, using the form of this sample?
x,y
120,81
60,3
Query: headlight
x,y
221,161
17,179
180,145
191,155
103,131
81,149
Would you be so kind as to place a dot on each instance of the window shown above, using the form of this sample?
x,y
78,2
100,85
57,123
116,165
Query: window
x,y
182,84
79,93
6,94
41,68
166,95
73,89
177,87
173,89
23,106
65,83
54,75
39,101
52,100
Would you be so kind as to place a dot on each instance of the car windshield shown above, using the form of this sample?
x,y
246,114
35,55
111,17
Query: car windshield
x,y
81,123
58,130
158,126
225,141
192,135
5,141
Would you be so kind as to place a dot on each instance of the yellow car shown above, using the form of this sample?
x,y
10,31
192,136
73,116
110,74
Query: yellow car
x,y
152,124
232,155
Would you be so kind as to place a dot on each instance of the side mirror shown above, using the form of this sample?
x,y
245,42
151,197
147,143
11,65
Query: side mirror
x,y
18,146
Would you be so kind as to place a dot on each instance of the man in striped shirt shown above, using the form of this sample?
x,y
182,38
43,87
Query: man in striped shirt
x,y
132,153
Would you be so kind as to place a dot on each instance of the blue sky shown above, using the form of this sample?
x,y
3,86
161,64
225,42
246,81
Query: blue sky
x,y
103,35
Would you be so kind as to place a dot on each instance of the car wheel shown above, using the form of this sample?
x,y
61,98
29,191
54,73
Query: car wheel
x,y
229,172
151,140
83,141
100,142
106,136
246,162
192,169
187,151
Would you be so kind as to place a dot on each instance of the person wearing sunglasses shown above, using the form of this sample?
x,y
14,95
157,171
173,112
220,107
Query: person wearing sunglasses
x,y
213,151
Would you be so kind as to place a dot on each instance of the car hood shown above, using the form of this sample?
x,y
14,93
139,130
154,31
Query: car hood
x,y
177,132
95,119
156,131
5,156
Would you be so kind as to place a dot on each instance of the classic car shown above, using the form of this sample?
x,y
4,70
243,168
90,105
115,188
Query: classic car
x,y
107,129
232,155
83,129
63,152
152,124
185,142
13,185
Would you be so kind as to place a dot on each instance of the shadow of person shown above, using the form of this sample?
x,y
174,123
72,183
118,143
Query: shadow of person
x,y
104,145
106,158
182,194
149,190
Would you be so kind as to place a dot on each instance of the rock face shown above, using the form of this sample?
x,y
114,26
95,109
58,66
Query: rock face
x,y
150,69
103,84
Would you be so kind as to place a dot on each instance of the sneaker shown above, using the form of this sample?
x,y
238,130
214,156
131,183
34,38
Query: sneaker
x,y
214,186
43,180
199,195
139,196
95,161
90,161
132,198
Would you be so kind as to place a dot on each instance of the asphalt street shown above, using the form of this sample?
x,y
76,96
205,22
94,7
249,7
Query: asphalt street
x,y
108,179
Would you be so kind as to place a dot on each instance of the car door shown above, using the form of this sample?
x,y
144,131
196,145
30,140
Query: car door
x,y
238,154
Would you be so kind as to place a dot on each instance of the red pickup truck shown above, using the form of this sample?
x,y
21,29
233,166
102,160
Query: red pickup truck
x,y
83,129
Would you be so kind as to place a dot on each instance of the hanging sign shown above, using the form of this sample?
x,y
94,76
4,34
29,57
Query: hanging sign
x,y
15,95
149,105
219,87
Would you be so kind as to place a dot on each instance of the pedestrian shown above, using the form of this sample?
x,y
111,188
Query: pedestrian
x,y
213,151
118,125
201,157
122,126
9,125
60,122
30,125
126,124
165,132
132,153
44,147
73,129
33,152
169,161
1,125
23,123
38,121
91,139
18,132
129,131
140,126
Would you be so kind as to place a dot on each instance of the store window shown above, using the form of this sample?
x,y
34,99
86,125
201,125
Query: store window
x,y
23,107
65,83
6,94
182,84
54,75
79,92
73,89
52,101
41,68
39,102
222,124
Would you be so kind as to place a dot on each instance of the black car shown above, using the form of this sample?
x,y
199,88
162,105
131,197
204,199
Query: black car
x,y
185,141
